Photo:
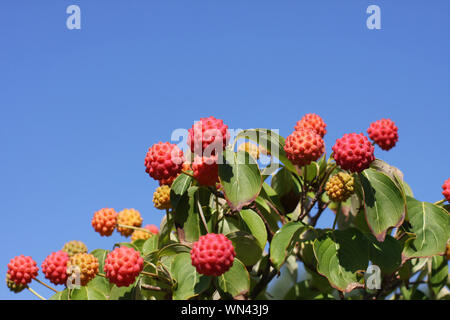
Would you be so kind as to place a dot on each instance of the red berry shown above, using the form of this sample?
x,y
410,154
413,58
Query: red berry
x,y
123,265
206,170
164,161
22,269
54,267
205,132
304,146
213,254
384,132
314,122
104,221
152,228
353,152
446,188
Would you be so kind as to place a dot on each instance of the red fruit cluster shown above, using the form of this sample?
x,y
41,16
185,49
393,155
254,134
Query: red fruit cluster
x,y
152,228
213,254
185,167
206,132
314,122
304,146
22,269
54,267
353,152
123,265
206,170
446,189
384,132
104,221
164,161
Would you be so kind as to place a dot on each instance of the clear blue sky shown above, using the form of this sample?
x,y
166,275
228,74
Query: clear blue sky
x,y
79,108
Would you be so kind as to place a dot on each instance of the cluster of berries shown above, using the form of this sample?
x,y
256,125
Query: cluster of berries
x,y
128,222
122,266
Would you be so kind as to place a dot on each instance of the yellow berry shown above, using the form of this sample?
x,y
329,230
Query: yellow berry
x,y
252,149
73,247
87,267
340,187
161,198
128,217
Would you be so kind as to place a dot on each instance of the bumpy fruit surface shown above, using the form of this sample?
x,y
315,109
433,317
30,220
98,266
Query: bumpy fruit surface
x,y
123,265
54,267
73,247
22,269
304,146
206,170
128,217
141,234
161,198
164,161
252,149
104,221
213,254
384,133
12,286
314,122
340,187
446,189
186,167
205,132
353,152
84,263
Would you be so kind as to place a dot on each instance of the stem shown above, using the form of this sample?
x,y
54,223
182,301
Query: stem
x,y
336,217
202,216
46,285
134,228
36,294
154,275
188,174
153,288
439,202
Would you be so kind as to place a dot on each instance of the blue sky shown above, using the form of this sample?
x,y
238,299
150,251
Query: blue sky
x,y
79,108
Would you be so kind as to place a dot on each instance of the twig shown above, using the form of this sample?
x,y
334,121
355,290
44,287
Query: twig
x,y
202,216
36,294
46,285
153,288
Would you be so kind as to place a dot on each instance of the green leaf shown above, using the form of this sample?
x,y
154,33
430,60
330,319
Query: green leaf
x,y
282,182
387,254
246,246
235,281
189,282
187,215
431,225
439,274
150,245
61,295
283,242
100,254
240,179
172,249
271,141
255,225
100,284
268,212
341,255
178,188
87,293
383,202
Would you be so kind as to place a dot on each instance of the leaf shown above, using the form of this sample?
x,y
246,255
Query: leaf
x,y
61,295
240,179
189,282
282,182
255,225
431,225
100,284
187,215
235,281
246,246
387,254
439,274
172,249
87,293
268,212
150,245
178,188
271,141
100,254
340,256
383,202
283,242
